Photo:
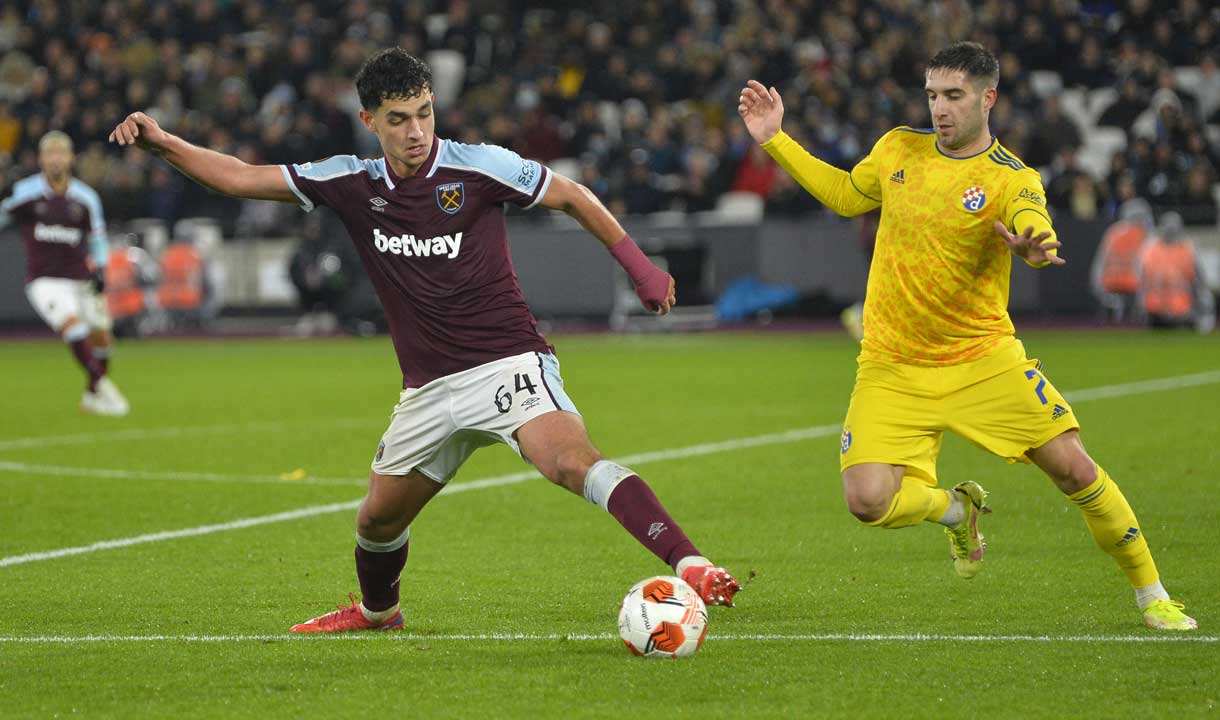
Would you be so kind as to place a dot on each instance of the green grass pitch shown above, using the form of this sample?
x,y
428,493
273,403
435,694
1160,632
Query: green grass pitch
x,y
513,586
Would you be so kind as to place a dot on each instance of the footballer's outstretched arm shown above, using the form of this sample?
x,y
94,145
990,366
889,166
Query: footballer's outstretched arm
x,y
653,285
217,171
762,110
579,202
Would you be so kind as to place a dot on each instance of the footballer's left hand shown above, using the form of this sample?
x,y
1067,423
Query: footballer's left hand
x,y
1034,249
656,292
670,299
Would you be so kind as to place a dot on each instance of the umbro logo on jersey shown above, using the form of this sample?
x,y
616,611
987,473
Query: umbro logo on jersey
x,y
378,203
441,246
899,177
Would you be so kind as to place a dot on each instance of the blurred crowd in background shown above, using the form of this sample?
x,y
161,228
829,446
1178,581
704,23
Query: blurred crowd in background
x,y
636,99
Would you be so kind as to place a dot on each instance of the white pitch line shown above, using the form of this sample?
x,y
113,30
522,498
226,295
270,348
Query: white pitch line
x,y
1107,391
64,471
604,637
736,444
1144,386
639,458
171,432
1098,393
510,479
174,534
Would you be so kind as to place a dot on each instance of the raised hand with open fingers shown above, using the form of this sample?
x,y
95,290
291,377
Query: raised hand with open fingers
x,y
762,110
1034,249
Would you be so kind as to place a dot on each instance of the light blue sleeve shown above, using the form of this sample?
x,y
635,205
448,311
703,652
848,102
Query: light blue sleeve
x,y
99,241
7,204
332,167
523,181
311,181
24,191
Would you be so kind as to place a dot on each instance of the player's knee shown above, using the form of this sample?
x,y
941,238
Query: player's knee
x,y
1078,473
1067,464
571,465
377,524
100,339
867,501
73,330
368,523
869,490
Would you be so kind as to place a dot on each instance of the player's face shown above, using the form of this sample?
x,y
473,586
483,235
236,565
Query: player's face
x,y
959,108
55,159
405,127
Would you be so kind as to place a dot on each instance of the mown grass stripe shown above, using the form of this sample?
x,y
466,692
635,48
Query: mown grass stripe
x,y
602,637
1097,393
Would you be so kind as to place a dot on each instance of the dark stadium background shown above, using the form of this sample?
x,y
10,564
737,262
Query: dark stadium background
x,y
1109,100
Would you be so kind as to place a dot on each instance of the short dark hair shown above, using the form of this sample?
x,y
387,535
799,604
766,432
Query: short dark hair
x,y
971,58
391,74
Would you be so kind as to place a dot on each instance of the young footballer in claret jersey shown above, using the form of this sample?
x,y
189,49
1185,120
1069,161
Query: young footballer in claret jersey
x,y
66,249
939,350
427,219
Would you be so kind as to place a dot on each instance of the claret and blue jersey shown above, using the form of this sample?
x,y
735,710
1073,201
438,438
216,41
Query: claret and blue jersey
x,y
60,232
435,246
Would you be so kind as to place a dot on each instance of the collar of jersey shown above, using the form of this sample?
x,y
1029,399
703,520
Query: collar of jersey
x,y
425,170
987,149
48,191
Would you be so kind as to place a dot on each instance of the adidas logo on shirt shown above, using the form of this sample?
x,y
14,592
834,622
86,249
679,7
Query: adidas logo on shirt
x,y
899,177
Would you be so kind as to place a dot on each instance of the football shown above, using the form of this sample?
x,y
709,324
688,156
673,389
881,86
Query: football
x,y
662,617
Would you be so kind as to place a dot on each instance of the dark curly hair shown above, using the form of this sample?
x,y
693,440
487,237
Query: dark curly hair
x,y
391,74
971,58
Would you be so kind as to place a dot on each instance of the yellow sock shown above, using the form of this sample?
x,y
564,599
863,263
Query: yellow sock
x,y
1115,529
914,502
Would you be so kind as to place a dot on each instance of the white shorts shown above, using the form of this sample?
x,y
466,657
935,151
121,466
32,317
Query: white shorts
x,y
434,428
58,299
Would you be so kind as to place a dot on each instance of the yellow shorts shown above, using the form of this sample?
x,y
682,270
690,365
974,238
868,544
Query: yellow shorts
x,y
1002,403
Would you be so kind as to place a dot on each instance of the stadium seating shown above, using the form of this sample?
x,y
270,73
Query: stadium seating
x,y
739,207
1100,144
487,61
491,62
448,74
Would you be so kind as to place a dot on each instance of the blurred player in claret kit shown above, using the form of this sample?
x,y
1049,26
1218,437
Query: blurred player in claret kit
x,y
939,350
428,222
64,233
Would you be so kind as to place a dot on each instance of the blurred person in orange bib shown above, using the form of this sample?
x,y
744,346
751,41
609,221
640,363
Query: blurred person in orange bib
x,y
1115,270
1172,288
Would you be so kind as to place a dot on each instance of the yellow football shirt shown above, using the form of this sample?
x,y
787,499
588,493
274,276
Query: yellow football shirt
x,y
938,285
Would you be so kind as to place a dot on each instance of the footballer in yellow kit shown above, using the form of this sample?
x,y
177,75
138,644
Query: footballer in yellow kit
x,y
939,350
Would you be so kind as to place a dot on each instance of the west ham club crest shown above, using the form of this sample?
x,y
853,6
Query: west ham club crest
x,y
450,197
